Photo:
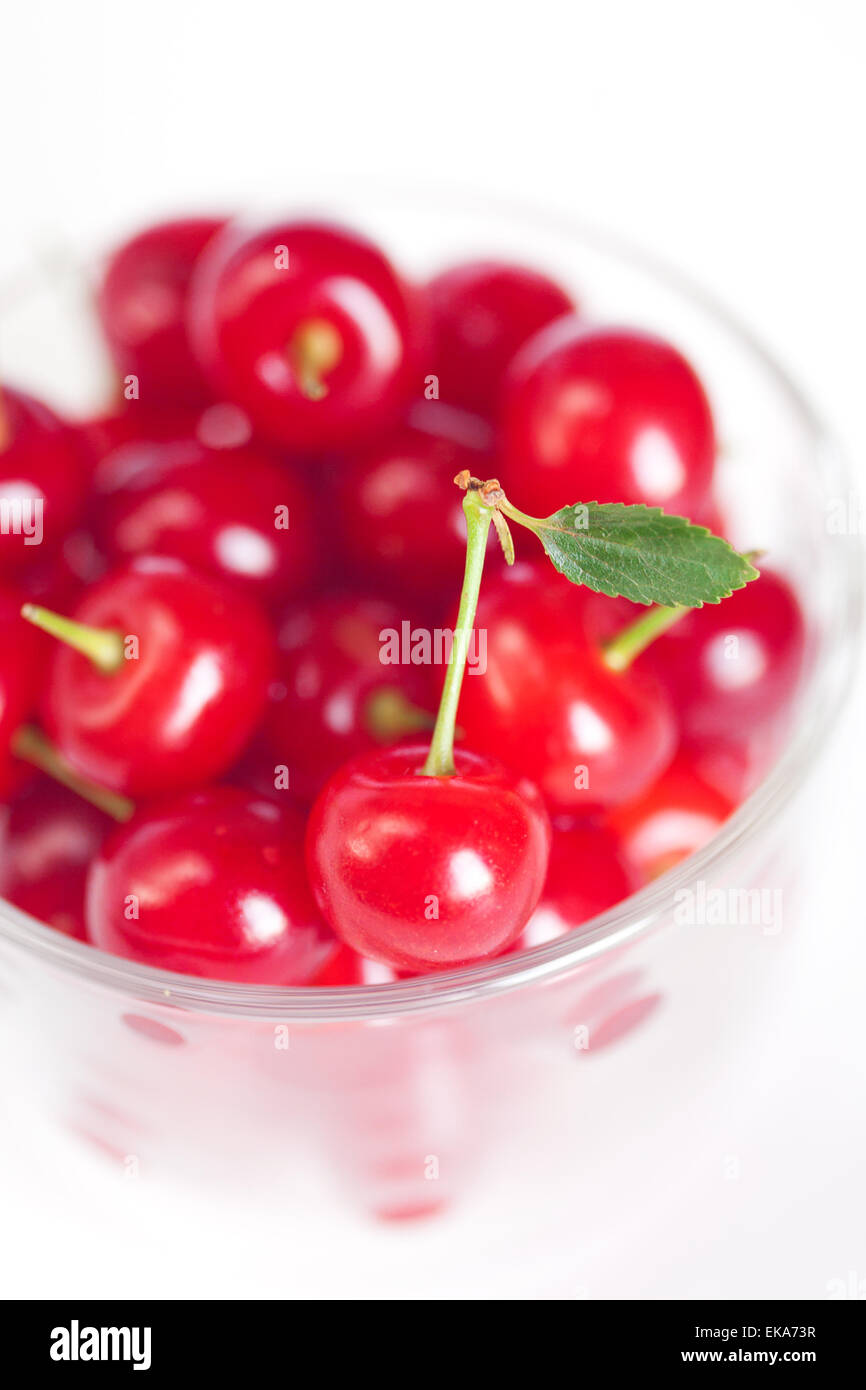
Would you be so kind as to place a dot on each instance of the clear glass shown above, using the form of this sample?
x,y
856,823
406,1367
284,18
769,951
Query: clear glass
x,y
408,1096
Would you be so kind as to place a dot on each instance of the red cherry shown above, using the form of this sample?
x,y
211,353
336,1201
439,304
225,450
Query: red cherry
x,y
334,696
548,705
402,518
51,838
41,481
427,872
21,660
346,967
119,446
308,328
735,765
678,815
142,305
234,513
605,415
482,312
180,711
732,668
588,873
210,884
58,580
133,425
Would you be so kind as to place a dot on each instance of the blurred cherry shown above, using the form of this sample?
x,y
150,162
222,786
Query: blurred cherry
x,y
51,838
402,518
676,816
587,874
347,967
732,668
41,481
335,695
209,884
142,306
234,513
22,658
605,415
482,312
308,328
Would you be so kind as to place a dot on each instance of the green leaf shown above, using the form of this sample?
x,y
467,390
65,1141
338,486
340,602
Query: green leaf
x,y
640,553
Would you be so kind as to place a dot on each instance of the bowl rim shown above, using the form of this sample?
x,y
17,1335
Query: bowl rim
x,y
822,700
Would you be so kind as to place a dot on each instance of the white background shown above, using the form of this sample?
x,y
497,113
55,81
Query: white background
x,y
727,138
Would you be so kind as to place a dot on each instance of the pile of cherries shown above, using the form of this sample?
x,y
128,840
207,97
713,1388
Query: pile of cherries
x,y
206,763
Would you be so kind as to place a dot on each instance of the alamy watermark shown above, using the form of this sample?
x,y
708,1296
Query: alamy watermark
x,y
703,906
423,646
22,516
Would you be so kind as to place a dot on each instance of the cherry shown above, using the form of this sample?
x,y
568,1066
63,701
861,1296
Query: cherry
x,y
235,513
162,681
58,580
427,871
587,874
425,858
41,481
346,967
135,425
142,306
210,884
308,328
52,836
731,668
606,415
550,707
734,765
482,312
334,696
20,662
395,497
675,817
119,445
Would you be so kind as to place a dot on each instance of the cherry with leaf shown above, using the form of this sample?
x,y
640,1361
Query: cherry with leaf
x,y
435,857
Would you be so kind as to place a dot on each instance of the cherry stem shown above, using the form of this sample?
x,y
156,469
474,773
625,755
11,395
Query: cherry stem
x,y
103,647
388,714
31,746
619,652
532,523
440,759
315,349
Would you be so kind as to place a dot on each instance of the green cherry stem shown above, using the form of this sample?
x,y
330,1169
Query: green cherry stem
x,y
532,523
104,648
31,746
440,759
619,652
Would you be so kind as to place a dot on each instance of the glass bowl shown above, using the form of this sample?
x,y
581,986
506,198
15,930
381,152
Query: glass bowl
x,y
408,1096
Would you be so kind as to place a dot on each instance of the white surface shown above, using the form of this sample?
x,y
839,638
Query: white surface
x,y
728,139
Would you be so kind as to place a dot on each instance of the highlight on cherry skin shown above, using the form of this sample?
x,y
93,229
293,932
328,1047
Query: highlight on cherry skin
x,y
183,500
198,581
